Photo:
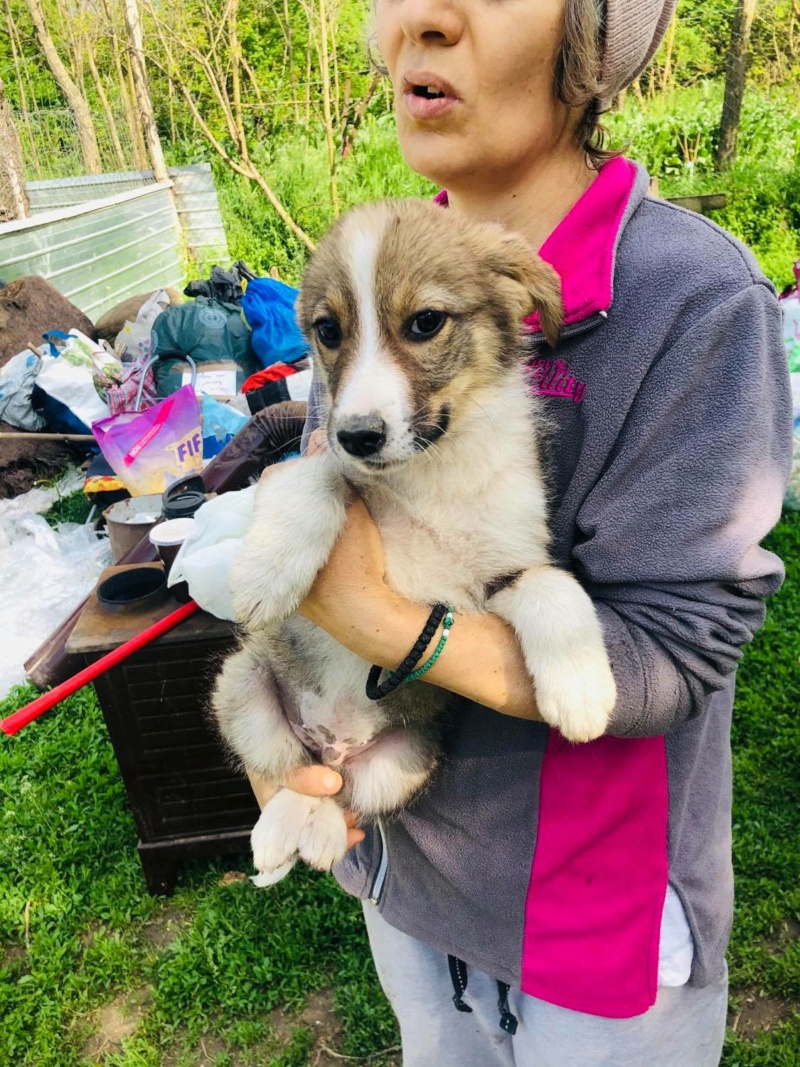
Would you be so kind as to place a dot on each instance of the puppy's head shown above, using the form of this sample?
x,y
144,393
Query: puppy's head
x,y
411,311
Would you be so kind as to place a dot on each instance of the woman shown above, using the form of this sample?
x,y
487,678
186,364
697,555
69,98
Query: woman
x,y
582,893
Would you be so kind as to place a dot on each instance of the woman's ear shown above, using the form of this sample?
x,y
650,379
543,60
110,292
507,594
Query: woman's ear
x,y
539,283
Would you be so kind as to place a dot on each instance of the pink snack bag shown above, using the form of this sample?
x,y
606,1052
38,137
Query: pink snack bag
x,y
149,450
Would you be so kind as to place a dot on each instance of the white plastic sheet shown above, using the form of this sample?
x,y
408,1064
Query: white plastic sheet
x,y
46,573
206,556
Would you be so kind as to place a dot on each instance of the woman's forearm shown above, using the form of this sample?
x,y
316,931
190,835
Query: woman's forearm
x,y
481,661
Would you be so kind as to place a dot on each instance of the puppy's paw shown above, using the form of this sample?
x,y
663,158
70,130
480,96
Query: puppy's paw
x,y
297,517
577,698
276,836
323,840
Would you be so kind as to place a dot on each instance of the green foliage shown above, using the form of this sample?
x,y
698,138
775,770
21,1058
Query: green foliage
x,y
675,138
298,169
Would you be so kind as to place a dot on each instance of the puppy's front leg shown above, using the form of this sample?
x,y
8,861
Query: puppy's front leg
x,y
562,642
298,515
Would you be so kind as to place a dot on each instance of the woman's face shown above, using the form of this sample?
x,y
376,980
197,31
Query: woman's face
x,y
474,85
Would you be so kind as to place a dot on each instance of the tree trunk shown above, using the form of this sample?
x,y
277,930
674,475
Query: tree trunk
x,y
13,194
133,25
322,13
122,162
735,80
75,98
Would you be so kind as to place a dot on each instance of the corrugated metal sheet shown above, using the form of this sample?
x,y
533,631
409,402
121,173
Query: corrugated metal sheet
x,y
198,210
195,199
67,192
100,252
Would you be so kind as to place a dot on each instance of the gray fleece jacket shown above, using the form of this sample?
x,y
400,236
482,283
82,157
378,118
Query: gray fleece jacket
x,y
546,864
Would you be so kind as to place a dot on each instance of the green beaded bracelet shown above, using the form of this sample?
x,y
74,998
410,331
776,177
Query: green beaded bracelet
x,y
449,619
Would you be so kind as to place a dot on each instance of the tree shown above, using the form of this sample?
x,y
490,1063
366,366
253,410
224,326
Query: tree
x,y
735,80
144,104
13,195
75,98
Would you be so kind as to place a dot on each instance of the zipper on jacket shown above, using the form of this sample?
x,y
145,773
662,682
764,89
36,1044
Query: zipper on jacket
x,y
380,875
537,340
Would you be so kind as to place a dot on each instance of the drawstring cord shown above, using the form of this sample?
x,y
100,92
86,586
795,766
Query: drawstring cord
x,y
459,978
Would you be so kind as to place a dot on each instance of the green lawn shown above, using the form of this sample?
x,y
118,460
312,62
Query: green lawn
x,y
94,971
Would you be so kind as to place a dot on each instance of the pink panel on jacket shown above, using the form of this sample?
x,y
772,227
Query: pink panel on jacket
x,y
599,876
583,245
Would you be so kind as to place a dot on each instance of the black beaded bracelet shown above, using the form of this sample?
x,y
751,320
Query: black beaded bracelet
x,y
396,678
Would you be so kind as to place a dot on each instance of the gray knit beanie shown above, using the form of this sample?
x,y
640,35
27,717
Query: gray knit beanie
x,y
633,32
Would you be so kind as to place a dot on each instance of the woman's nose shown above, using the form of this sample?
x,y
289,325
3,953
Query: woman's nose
x,y
430,22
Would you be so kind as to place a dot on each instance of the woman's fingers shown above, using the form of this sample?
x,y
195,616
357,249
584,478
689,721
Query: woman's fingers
x,y
315,781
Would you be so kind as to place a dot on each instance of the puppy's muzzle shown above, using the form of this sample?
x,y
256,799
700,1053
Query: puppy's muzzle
x,y
361,435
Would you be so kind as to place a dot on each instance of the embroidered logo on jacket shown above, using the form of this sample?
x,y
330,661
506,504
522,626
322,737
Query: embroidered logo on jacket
x,y
552,377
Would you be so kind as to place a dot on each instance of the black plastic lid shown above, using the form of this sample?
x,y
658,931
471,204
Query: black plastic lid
x,y
182,505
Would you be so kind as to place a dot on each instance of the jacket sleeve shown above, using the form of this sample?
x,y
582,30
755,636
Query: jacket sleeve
x,y
668,538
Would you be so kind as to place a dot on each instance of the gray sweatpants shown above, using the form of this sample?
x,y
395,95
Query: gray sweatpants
x,y
684,1028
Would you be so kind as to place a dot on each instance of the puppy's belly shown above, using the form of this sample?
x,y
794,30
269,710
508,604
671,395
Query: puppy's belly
x,y
333,731
322,688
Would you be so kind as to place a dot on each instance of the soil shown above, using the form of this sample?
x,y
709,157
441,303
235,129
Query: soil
x,y
162,930
116,1021
30,307
758,1014
23,463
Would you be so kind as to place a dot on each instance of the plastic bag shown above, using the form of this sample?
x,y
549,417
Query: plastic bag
x,y
792,497
67,380
268,306
134,340
206,556
221,423
210,332
150,450
46,574
16,391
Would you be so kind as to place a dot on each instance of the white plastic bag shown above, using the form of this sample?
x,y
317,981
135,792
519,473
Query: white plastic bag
x,y
134,339
206,556
69,377
16,386
792,498
46,574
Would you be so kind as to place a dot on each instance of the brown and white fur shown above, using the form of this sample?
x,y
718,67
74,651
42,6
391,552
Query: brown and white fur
x,y
444,431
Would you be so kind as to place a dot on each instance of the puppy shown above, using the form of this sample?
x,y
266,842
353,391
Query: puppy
x,y
415,318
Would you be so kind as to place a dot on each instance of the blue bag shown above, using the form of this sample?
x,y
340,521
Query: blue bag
x,y
268,307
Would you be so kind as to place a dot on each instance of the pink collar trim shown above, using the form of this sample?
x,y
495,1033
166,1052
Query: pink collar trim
x,y
583,245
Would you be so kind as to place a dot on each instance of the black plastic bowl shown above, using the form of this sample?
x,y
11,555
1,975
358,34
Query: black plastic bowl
x,y
133,589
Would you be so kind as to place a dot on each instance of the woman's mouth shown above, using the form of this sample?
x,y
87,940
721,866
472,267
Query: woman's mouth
x,y
426,96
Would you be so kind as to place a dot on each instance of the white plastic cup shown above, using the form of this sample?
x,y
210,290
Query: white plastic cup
x,y
168,536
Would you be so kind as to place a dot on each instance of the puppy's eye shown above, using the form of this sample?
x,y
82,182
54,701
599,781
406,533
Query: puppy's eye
x,y
329,332
426,324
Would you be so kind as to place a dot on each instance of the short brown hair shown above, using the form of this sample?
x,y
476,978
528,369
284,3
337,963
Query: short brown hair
x,y
578,74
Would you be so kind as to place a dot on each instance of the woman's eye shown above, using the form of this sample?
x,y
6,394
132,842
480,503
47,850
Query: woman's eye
x,y
426,324
329,332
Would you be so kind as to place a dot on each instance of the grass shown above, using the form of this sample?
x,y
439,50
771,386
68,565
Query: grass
x,y
218,975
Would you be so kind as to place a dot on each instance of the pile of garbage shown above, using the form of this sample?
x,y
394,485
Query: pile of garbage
x,y
156,387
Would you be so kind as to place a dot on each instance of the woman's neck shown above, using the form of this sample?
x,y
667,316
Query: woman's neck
x,y
530,203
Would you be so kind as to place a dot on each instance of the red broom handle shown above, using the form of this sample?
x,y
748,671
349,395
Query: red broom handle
x,y
14,723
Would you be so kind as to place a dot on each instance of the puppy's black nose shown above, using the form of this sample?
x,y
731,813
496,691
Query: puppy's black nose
x,y
364,435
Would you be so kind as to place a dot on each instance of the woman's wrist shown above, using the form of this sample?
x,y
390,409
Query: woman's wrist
x,y
390,627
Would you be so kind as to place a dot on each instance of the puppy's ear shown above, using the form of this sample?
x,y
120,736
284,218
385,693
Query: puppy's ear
x,y
540,284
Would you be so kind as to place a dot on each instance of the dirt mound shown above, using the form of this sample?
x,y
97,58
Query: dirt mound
x,y
30,307
23,463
